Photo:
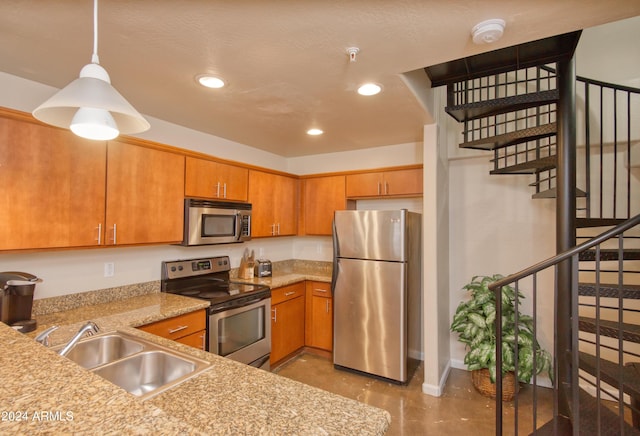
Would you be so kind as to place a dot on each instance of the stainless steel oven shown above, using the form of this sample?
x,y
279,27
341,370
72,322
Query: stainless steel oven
x,y
238,325
243,333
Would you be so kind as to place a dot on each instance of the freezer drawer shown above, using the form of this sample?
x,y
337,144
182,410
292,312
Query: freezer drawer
x,y
370,317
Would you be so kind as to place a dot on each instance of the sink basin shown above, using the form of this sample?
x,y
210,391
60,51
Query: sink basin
x,y
100,350
147,372
139,366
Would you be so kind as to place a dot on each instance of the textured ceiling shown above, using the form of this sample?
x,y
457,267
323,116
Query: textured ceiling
x,y
285,61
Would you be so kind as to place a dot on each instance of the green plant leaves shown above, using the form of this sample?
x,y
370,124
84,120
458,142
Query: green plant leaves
x,y
474,321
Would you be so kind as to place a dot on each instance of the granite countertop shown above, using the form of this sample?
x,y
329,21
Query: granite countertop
x,y
227,398
284,279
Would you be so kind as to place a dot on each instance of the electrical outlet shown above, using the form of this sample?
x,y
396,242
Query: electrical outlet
x,y
109,269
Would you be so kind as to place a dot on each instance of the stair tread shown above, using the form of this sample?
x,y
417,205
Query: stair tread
x,y
611,254
609,290
609,421
512,138
630,332
503,105
558,426
610,373
552,193
529,167
598,222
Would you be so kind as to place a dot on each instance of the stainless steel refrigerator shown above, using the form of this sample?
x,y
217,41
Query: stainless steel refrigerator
x,y
376,292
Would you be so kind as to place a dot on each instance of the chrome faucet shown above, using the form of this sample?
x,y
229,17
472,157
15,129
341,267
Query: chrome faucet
x,y
89,329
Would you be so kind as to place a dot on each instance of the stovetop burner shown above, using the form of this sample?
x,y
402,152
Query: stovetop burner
x,y
207,279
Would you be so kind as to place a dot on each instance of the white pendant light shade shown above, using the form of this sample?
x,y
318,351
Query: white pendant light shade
x,y
89,105
90,92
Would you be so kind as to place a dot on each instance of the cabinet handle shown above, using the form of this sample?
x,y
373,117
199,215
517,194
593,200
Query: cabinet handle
x,y
275,314
327,303
218,190
99,239
224,190
278,229
273,229
320,290
379,188
178,329
204,345
115,231
288,294
386,188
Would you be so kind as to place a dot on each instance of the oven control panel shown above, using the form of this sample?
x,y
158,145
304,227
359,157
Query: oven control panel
x,y
177,269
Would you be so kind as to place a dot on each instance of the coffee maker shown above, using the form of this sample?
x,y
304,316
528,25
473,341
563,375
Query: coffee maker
x,y
16,299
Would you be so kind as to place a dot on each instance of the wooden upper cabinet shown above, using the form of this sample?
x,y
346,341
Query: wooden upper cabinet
x,y
52,187
274,200
209,179
145,195
322,197
404,182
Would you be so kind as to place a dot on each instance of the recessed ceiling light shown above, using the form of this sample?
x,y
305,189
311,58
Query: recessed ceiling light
x,y
210,81
369,89
314,132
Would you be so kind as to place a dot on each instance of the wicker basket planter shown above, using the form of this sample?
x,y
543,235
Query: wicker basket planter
x,y
482,382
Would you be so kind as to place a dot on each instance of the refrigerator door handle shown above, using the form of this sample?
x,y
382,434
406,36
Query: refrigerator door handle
x,y
334,270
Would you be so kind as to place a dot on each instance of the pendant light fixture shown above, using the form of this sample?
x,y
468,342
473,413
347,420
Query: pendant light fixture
x,y
89,105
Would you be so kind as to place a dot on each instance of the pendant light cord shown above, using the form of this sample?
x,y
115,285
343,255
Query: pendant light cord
x,y
94,56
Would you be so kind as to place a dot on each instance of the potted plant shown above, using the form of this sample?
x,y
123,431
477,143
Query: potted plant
x,y
474,322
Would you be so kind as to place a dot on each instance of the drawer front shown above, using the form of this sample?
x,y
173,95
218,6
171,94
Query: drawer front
x,y
320,289
195,340
285,293
179,326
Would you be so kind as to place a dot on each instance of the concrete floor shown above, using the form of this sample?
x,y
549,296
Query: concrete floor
x,y
461,410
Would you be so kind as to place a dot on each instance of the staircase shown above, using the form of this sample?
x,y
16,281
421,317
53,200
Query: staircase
x,y
510,103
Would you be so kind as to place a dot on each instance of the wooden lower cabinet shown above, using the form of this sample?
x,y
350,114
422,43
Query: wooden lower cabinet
x,y
287,321
189,329
319,316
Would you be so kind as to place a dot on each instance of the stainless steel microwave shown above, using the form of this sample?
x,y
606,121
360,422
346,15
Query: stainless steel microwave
x,y
209,222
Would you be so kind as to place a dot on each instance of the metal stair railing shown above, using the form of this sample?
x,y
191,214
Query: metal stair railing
x,y
589,415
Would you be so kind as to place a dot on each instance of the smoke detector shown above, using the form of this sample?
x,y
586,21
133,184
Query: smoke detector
x,y
488,31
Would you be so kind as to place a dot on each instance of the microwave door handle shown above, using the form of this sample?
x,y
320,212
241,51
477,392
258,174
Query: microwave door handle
x,y
238,226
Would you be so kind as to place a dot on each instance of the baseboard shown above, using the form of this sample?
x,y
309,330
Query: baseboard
x,y
542,381
436,391
458,364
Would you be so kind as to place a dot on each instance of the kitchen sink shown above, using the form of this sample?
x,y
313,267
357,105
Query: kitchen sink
x,y
141,367
147,372
100,350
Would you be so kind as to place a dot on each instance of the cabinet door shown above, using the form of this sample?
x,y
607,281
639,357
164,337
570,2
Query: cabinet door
x,y
286,205
274,199
200,178
261,197
403,182
287,328
319,321
234,182
322,197
53,185
205,178
364,185
145,195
